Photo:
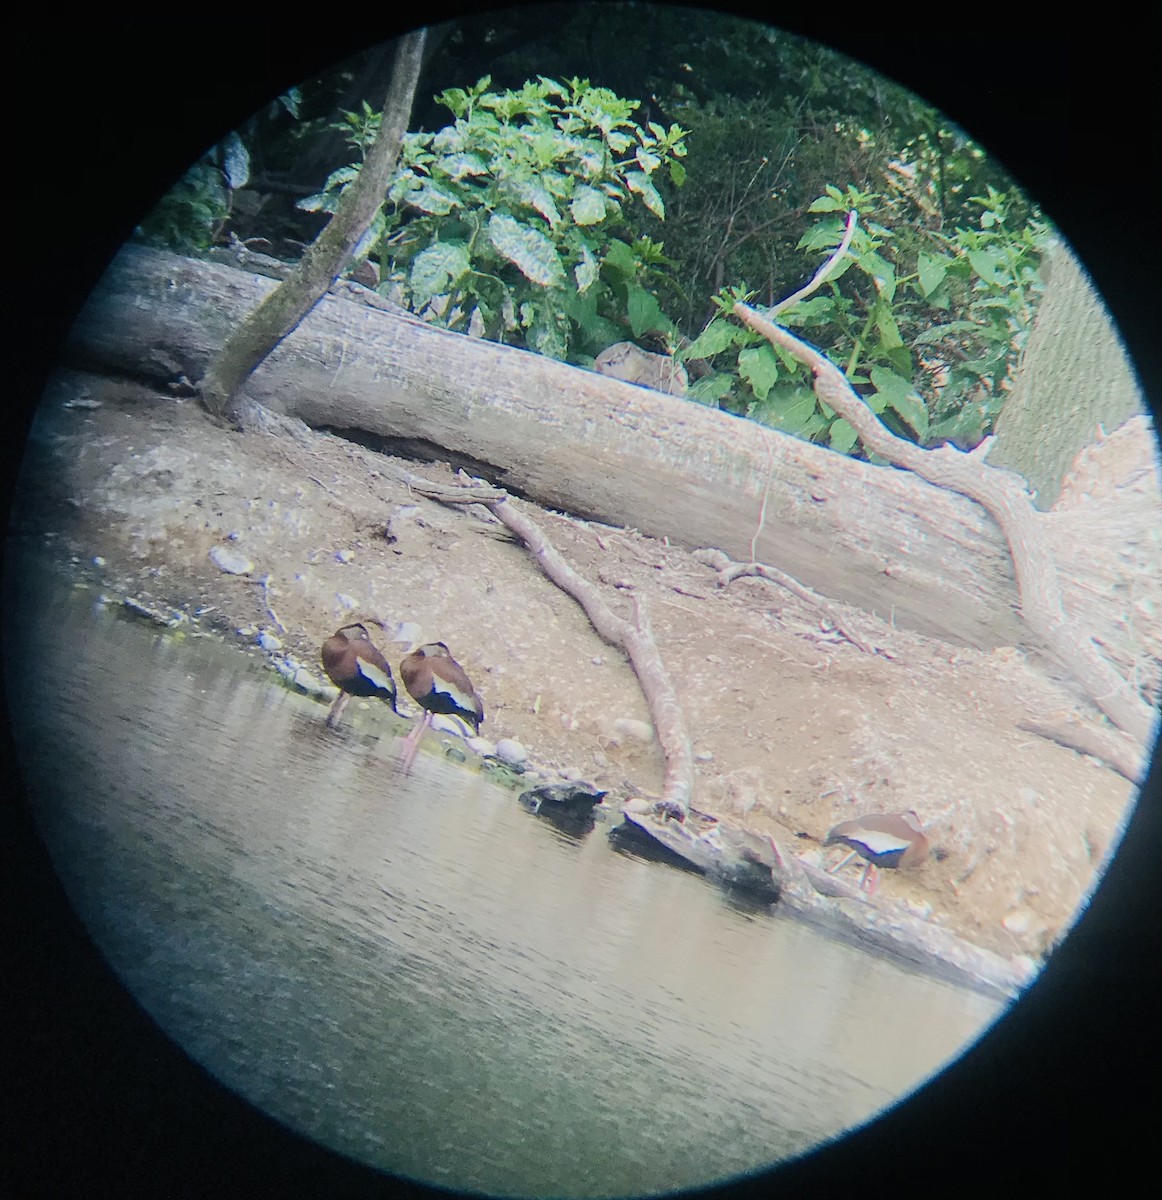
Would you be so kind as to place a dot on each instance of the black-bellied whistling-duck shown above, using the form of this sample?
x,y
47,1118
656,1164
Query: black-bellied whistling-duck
x,y
882,840
438,684
355,666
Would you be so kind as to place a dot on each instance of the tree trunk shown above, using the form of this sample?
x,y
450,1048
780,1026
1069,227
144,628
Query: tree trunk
x,y
322,263
1074,377
571,439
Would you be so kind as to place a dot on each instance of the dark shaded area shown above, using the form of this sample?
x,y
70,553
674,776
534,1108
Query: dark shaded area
x,y
97,1100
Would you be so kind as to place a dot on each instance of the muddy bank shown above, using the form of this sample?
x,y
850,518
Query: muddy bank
x,y
794,728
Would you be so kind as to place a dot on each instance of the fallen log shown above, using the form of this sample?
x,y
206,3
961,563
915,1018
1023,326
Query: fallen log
x,y
575,440
879,538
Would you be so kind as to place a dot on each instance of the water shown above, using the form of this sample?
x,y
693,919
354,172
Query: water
x,y
419,973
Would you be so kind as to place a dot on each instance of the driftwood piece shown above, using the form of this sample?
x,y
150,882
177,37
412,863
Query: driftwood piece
x,y
729,571
574,440
1106,745
1002,495
634,637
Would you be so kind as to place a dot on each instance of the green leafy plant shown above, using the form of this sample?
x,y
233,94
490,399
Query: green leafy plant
x,y
513,222
928,326
192,215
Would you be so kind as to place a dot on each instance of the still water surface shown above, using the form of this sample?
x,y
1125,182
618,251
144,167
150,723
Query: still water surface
x,y
419,973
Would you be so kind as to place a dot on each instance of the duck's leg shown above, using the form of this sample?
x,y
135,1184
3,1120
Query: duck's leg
x,y
841,864
411,746
872,876
337,709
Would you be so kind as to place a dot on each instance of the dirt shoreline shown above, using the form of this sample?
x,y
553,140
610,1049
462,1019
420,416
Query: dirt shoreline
x,y
794,728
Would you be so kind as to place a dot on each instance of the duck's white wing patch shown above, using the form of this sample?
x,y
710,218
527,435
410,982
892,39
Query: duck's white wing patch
x,y
374,675
455,694
879,843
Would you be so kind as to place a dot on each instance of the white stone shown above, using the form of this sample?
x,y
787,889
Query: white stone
x,y
509,750
629,729
230,561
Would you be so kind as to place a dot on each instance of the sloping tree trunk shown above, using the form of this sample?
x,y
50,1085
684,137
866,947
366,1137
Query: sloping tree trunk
x,y
324,260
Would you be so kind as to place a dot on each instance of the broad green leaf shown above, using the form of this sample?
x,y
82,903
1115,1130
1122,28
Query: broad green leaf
x,y
882,273
527,249
930,272
536,196
988,265
886,324
677,173
638,182
435,269
791,408
432,199
826,204
937,333
710,388
587,206
648,161
897,393
913,410
842,436
644,311
824,236
457,166
760,368
620,259
718,336
586,271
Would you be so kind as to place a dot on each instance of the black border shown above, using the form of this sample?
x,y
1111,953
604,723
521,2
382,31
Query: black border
x,y
1064,1092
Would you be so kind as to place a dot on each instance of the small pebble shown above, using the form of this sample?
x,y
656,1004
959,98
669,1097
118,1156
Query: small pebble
x,y
510,751
230,561
408,633
98,561
346,603
267,641
482,746
344,556
703,756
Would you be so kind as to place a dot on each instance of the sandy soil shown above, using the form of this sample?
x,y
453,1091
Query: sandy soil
x,y
794,728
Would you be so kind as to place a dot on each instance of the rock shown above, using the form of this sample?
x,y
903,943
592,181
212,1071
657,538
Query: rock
x,y
446,724
267,641
627,729
227,559
624,360
345,603
510,751
344,556
482,746
407,634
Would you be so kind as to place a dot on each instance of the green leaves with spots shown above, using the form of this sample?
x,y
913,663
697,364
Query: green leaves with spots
x,y
514,206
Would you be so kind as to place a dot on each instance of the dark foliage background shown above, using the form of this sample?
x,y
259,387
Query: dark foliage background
x,y
1063,1094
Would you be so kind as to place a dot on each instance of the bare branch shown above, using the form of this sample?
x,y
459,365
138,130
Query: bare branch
x,y
820,276
1003,496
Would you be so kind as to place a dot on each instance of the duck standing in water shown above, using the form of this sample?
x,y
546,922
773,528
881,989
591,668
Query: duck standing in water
x,y
356,667
438,684
881,840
